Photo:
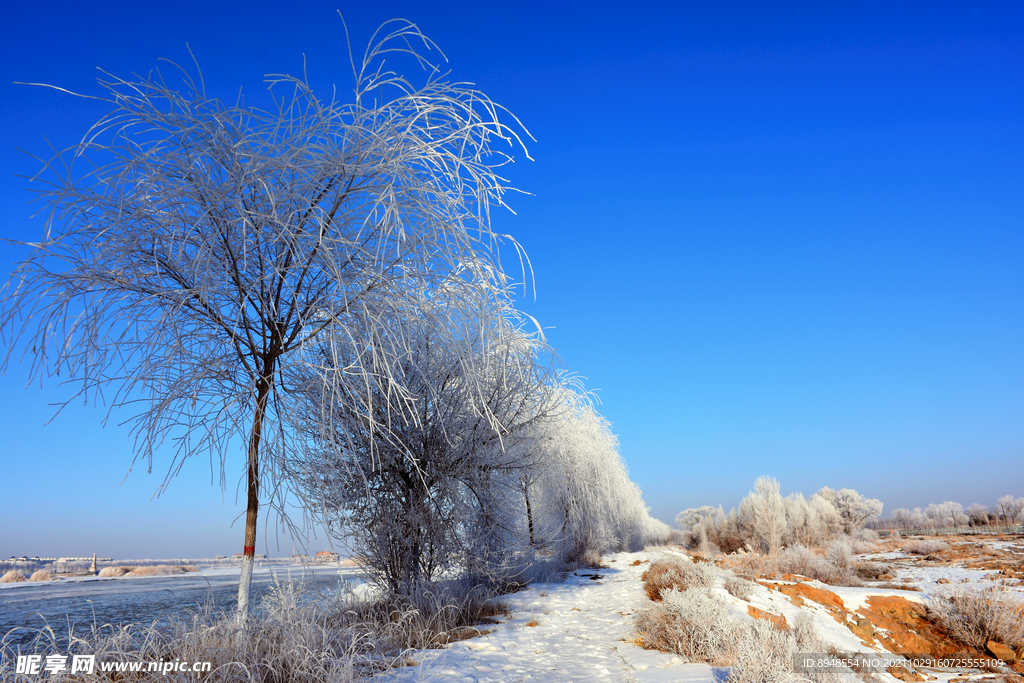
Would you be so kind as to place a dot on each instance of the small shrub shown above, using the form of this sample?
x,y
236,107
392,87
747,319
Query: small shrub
x,y
750,565
797,559
871,571
924,547
976,616
13,576
805,634
739,588
764,654
674,572
863,541
730,544
900,586
42,575
691,623
838,553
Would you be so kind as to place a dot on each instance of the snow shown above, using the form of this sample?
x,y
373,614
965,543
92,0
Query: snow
x,y
583,633
584,629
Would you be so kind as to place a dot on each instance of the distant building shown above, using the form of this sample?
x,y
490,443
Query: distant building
x,y
327,556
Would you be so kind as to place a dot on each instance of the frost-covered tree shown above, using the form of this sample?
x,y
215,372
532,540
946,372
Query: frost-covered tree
x,y
978,514
1009,508
582,495
700,523
196,252
766,510
905,519
423,475
809,522
853,508
948,513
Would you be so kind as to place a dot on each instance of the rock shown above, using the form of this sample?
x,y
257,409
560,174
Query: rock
x,y
1000,651
943,580
863,629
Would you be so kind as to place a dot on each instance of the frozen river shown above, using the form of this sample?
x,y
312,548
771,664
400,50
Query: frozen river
x,y
82,602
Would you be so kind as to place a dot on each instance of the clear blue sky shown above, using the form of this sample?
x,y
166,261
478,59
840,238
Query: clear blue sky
x,y
780,239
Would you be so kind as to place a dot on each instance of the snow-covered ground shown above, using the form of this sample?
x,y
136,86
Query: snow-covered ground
x,y
582,630
579,630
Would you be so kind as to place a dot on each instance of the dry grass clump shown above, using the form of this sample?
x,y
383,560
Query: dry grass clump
x,y
924,547
42,575
13,576
739,588
677,573
976,616
434,617
311,642
114,571
160,570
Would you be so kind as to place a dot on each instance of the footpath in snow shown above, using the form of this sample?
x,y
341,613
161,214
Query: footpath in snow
x,y
580,634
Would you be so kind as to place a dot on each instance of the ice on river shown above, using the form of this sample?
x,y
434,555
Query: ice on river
x,y
82,602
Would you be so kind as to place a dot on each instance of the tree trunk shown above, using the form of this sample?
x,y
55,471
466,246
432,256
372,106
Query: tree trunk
x,y
253,504
529,513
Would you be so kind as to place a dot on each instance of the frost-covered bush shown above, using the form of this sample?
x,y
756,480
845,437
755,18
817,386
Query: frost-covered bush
x,y
693,623
764,654
863,541
13,576
697,625
975,616
739,588
804,561
838,553
924,547
42,575
677,573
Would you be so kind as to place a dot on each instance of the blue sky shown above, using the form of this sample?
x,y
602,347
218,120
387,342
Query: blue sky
x,y
778,239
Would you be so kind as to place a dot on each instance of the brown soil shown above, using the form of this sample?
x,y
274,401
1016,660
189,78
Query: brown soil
x,y
830,600
777,620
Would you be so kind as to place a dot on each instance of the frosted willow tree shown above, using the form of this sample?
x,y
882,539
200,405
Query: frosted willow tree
x,y
418,471
582,500
196,253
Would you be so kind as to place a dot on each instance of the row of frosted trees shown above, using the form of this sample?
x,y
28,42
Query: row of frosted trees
x,y
765,521
317,282
1007,510
477,458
